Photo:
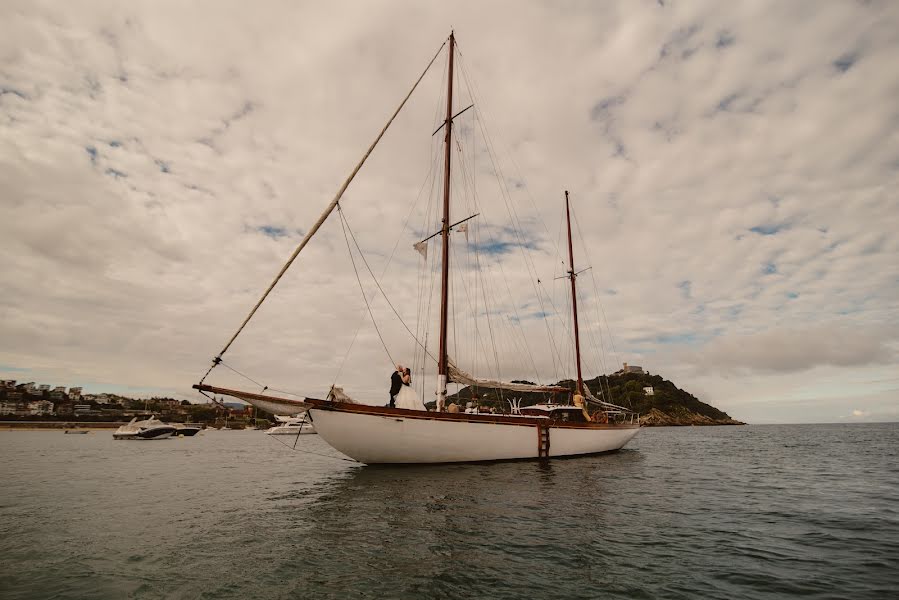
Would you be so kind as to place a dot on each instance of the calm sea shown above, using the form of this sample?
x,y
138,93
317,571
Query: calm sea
x,y
721,512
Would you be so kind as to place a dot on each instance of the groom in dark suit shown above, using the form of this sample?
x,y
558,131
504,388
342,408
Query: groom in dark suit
x,y
396,384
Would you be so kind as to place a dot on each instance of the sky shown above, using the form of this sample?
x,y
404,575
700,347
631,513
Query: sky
x,y
733,170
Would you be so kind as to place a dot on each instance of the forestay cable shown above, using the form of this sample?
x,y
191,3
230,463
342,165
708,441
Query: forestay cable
x,y
323,216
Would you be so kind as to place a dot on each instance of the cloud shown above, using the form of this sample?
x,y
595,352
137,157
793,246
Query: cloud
x,y
731,177
793,349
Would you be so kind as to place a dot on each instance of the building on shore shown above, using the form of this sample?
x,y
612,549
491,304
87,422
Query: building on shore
x,y
40,408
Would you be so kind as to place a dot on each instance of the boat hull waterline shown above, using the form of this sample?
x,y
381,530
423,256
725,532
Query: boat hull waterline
x,y
406,439
381,435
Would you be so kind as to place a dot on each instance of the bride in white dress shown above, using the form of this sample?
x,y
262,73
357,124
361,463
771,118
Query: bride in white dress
x,y
406,397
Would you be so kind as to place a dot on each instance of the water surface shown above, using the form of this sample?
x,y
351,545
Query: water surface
x,y
721,512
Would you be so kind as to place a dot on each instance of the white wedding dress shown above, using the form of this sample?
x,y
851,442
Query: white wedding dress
x,y
407,398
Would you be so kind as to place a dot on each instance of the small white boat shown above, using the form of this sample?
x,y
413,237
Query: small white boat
x,y
291,426
148,429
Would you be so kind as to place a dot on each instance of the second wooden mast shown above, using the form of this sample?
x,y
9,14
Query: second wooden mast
x,y
573,276
442,369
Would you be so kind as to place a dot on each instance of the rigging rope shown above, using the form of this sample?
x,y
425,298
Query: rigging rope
x,y
263,386
599,304
377,283
428,177
295,449
361,287
322,218
517,227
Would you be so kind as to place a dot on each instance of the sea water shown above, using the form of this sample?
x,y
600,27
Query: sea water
x,y
699,512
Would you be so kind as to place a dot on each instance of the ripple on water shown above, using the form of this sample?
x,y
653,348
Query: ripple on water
x,y
751,512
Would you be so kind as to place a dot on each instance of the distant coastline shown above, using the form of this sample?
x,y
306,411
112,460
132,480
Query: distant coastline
x,y
657,401
40,404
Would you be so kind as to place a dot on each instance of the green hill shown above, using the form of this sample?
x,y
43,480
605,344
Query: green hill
x,y
667,405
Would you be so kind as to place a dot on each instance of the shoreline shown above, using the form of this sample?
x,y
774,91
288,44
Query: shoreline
x,y
43,425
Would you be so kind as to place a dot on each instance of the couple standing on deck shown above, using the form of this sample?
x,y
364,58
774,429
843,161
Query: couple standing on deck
x,y
401,393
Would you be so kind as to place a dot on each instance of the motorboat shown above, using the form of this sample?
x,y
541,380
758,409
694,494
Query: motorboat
x,y
148,429
291,426
186,429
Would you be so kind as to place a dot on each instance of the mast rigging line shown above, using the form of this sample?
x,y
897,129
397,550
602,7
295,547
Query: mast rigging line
x,y
261,385
344,225
295,449
412,207
344,221
323,217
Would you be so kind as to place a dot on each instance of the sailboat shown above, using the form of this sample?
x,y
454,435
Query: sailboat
x,y
385,435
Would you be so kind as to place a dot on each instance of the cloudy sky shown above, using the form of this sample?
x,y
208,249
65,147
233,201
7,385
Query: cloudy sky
x,y
733,169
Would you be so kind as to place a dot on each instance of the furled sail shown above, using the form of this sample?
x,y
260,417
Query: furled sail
x,y
457,375
338,395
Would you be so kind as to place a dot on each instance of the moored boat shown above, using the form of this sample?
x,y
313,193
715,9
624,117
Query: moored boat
x,y
147,429
291,426
186,429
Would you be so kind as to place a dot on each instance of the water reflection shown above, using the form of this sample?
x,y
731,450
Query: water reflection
x,y
436,527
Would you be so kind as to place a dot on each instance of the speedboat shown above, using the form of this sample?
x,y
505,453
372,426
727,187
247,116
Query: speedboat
x,y
186,429
148,429
291,426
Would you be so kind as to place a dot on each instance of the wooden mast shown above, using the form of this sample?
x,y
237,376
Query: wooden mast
x,y
573,276
444,289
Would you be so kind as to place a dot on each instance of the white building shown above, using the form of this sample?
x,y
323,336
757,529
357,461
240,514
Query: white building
x,y
75,393
41,407
8,384
44,387
7,408
648,391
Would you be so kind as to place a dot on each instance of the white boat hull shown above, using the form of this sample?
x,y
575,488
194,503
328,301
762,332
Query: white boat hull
x,y
400,439
294,431
162,435
148,429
